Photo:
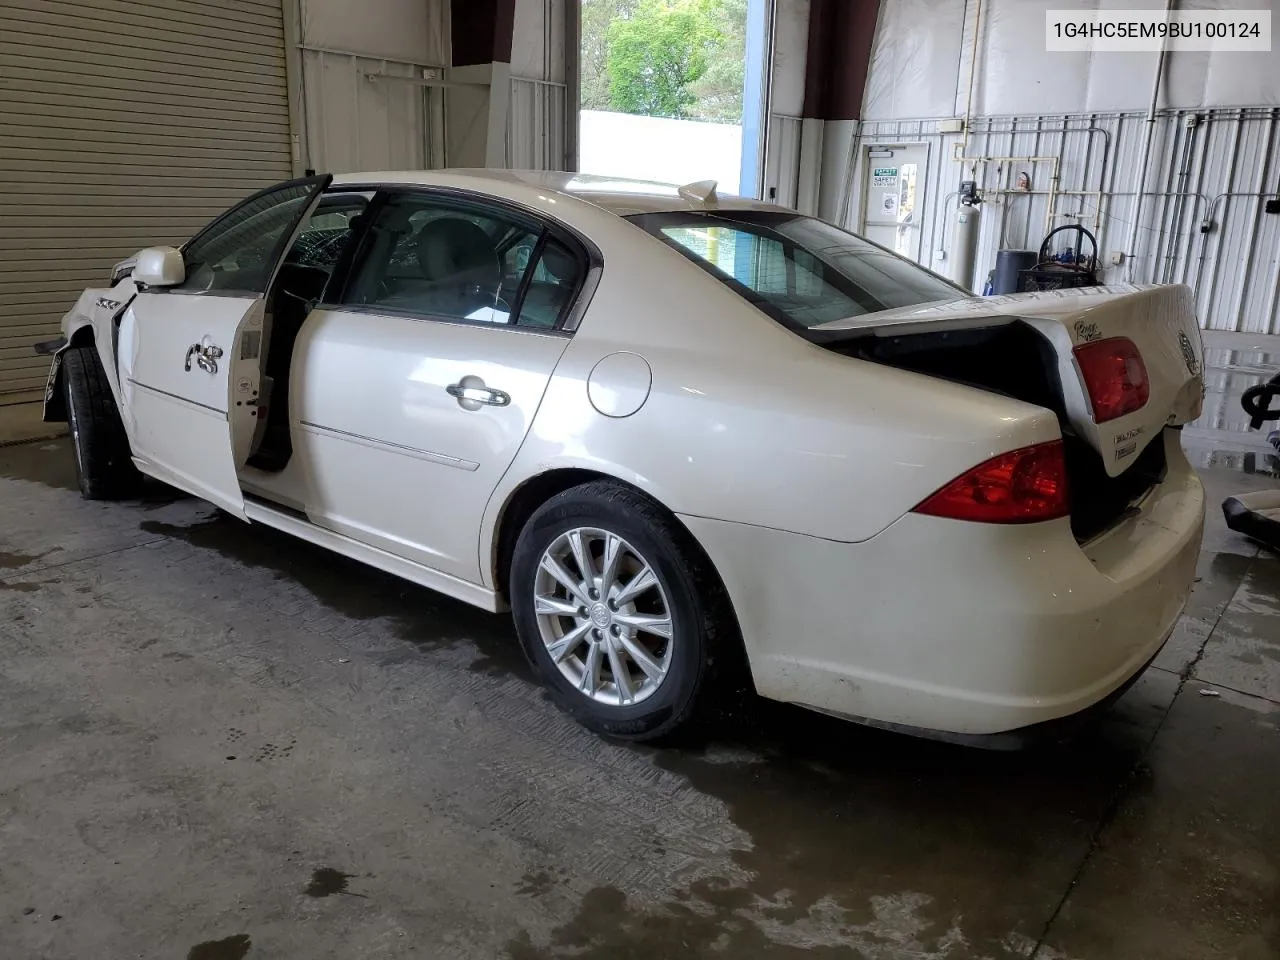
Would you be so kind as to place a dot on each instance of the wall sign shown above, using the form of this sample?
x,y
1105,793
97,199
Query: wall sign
x,y
884,177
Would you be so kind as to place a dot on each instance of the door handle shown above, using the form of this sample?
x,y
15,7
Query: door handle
x,y
470,396
206,356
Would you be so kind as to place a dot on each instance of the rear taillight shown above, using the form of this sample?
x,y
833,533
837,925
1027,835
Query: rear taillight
x,y
1022,486
1115,377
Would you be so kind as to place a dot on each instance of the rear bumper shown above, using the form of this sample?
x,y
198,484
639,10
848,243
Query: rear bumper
x,y
958,628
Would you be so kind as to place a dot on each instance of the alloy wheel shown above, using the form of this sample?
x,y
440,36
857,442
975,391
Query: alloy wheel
x,y
603,616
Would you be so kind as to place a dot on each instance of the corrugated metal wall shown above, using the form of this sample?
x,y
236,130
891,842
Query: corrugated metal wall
x,y
536,128
538,107
366,113
782,160
367,99
123,124
1212,168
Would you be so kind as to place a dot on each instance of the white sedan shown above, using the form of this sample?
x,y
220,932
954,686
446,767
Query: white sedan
x,y
681,437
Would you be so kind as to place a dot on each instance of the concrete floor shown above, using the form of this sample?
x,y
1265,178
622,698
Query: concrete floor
x,y
220,743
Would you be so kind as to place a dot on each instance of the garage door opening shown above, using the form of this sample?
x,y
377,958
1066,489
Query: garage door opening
x,y
674,90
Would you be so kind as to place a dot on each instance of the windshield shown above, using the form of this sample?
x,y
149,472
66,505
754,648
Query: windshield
x,y
799,270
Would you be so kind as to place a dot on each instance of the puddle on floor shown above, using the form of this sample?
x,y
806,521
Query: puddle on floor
x,y
424,618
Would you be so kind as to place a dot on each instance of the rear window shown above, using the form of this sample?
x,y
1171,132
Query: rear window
x,y
799,270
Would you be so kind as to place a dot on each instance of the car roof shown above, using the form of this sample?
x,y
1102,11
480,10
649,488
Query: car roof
x,y
618,195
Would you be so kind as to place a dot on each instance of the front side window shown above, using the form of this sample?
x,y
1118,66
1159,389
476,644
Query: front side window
x,y
428,256
801,271
312,259
325,233
237,253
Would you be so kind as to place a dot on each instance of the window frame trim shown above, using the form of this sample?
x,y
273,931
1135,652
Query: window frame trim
x,y
570,317
282,245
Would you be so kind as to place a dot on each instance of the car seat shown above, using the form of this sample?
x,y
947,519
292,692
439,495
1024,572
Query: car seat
x,y
460,263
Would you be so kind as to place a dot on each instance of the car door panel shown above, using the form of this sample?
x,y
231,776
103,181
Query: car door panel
x,y
189,360
393,457
177,409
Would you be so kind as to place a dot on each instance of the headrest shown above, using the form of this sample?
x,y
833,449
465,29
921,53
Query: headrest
x,y
451,247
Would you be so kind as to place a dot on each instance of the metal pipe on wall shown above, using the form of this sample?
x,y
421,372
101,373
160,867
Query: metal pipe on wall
x,y
1179,204
1055,179
1175,182
1227,148
1148,139
1205,142
572,80
1231,176
973,69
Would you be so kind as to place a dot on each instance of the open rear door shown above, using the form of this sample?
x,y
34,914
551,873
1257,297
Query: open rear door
x,y
190,356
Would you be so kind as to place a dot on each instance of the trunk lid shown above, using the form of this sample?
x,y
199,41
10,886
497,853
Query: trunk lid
x,y
1159,320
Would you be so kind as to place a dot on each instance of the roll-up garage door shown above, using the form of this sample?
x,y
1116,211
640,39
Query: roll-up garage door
x,y
123,123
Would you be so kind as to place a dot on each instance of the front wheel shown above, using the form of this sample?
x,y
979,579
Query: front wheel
x,y
104,465
616,609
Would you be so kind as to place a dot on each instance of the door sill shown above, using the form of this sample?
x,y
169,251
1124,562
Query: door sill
x,y
292,522
187,484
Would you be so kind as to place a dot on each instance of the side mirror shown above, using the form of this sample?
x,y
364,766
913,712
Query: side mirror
x,y
160,267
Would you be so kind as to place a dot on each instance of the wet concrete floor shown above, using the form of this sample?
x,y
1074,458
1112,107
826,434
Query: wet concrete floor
x,y
218,742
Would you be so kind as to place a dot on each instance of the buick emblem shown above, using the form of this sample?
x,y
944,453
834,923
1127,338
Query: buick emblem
x,y
1188,352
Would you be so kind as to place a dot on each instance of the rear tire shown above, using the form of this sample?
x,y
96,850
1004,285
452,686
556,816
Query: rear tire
x,y
104,464
579,629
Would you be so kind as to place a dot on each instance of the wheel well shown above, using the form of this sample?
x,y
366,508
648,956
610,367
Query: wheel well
x,y
536,491
56,407
527,498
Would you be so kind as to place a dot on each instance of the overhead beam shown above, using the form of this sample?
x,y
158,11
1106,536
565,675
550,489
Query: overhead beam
x,y
841,33
481,31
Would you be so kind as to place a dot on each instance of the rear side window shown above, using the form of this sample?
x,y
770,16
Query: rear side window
x,y
439,258
801,271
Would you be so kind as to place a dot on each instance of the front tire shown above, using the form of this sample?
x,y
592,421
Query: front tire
x,y
104,465
616,609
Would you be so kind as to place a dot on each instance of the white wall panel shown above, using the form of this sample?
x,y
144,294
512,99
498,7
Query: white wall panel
x,y
367,114
915,59
536,132
790,45
782,161
537,48
415,31
1218,172
785,170
920,64
539,109
1214,158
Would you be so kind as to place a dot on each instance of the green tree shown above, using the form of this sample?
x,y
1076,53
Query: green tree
x,y
656,55
594,75
718,93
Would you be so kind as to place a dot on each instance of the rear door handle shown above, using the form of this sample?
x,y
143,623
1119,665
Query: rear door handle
x,y
471,396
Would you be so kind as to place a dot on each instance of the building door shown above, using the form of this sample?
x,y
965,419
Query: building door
x,y
123,125
893,196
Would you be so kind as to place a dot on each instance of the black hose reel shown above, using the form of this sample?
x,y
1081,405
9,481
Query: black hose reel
x,y
1071,268
1256,402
